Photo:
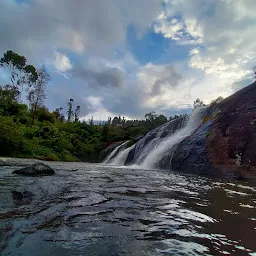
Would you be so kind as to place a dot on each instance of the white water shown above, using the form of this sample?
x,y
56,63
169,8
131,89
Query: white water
x,y
142,149
114,152
159,151
121,157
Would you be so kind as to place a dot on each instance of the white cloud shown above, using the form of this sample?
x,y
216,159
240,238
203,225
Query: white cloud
x,y
170,28
61,62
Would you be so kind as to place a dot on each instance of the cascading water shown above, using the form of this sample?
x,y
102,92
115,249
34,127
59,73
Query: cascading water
x,y
166,145
112,154
121,157
154,138
156,148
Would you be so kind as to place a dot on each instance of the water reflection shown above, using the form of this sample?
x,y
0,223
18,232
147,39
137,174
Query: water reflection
x,y
101,210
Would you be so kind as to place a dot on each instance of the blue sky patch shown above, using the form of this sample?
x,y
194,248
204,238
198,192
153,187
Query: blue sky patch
x,y
154,47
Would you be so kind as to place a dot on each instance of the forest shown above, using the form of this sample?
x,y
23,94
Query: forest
x,y
30,130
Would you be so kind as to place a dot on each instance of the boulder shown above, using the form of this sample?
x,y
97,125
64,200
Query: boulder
x,y
38,169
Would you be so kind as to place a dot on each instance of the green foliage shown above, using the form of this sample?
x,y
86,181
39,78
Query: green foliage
x,y
19,72
70,111
44,115
11,140
198,103
216,101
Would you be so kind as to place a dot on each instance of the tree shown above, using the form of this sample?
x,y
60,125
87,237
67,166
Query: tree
x,y
151,116
216,101
198,103
37,94
70,111
20,73
254,72
77,112
9,105
105,132
9,92
91,121
115,121
123,120
109,120
161,119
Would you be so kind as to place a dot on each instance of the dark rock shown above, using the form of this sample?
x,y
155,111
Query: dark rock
x,y
38,169
18,196
191,154
104,153
22,198
130,157
232,139
139,138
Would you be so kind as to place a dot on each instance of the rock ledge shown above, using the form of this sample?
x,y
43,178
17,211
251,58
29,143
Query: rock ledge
x,y
38,169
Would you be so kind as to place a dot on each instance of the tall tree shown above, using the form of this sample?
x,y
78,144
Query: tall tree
x,y
151,116
91,121
77,112
70,110
198,103
115,121
20,73
109,120
37,94
105,132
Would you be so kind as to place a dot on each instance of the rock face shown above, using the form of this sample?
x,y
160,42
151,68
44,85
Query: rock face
x,y
38,169
191,154
232,139
225,144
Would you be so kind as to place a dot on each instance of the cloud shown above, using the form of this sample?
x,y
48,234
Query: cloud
x,y
62,62
112,77
86,41
159,78
170,28
38,27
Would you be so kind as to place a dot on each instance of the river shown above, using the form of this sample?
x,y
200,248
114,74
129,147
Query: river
x,y
94,210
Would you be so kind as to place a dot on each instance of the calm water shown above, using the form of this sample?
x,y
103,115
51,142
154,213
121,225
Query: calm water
x,y
102,210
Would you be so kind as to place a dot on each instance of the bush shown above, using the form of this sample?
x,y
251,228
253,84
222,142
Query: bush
x,y
11,141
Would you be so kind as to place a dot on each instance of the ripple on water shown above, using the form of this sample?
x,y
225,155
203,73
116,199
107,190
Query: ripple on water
x,y
102,210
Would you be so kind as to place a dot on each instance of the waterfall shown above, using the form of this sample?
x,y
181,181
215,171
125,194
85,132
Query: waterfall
x,y
154,138
121,157
112,154
157,147
165,146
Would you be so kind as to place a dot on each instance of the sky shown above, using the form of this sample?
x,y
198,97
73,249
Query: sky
x,y
130,57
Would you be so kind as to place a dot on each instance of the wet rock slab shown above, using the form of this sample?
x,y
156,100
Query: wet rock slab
x,y
38,169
